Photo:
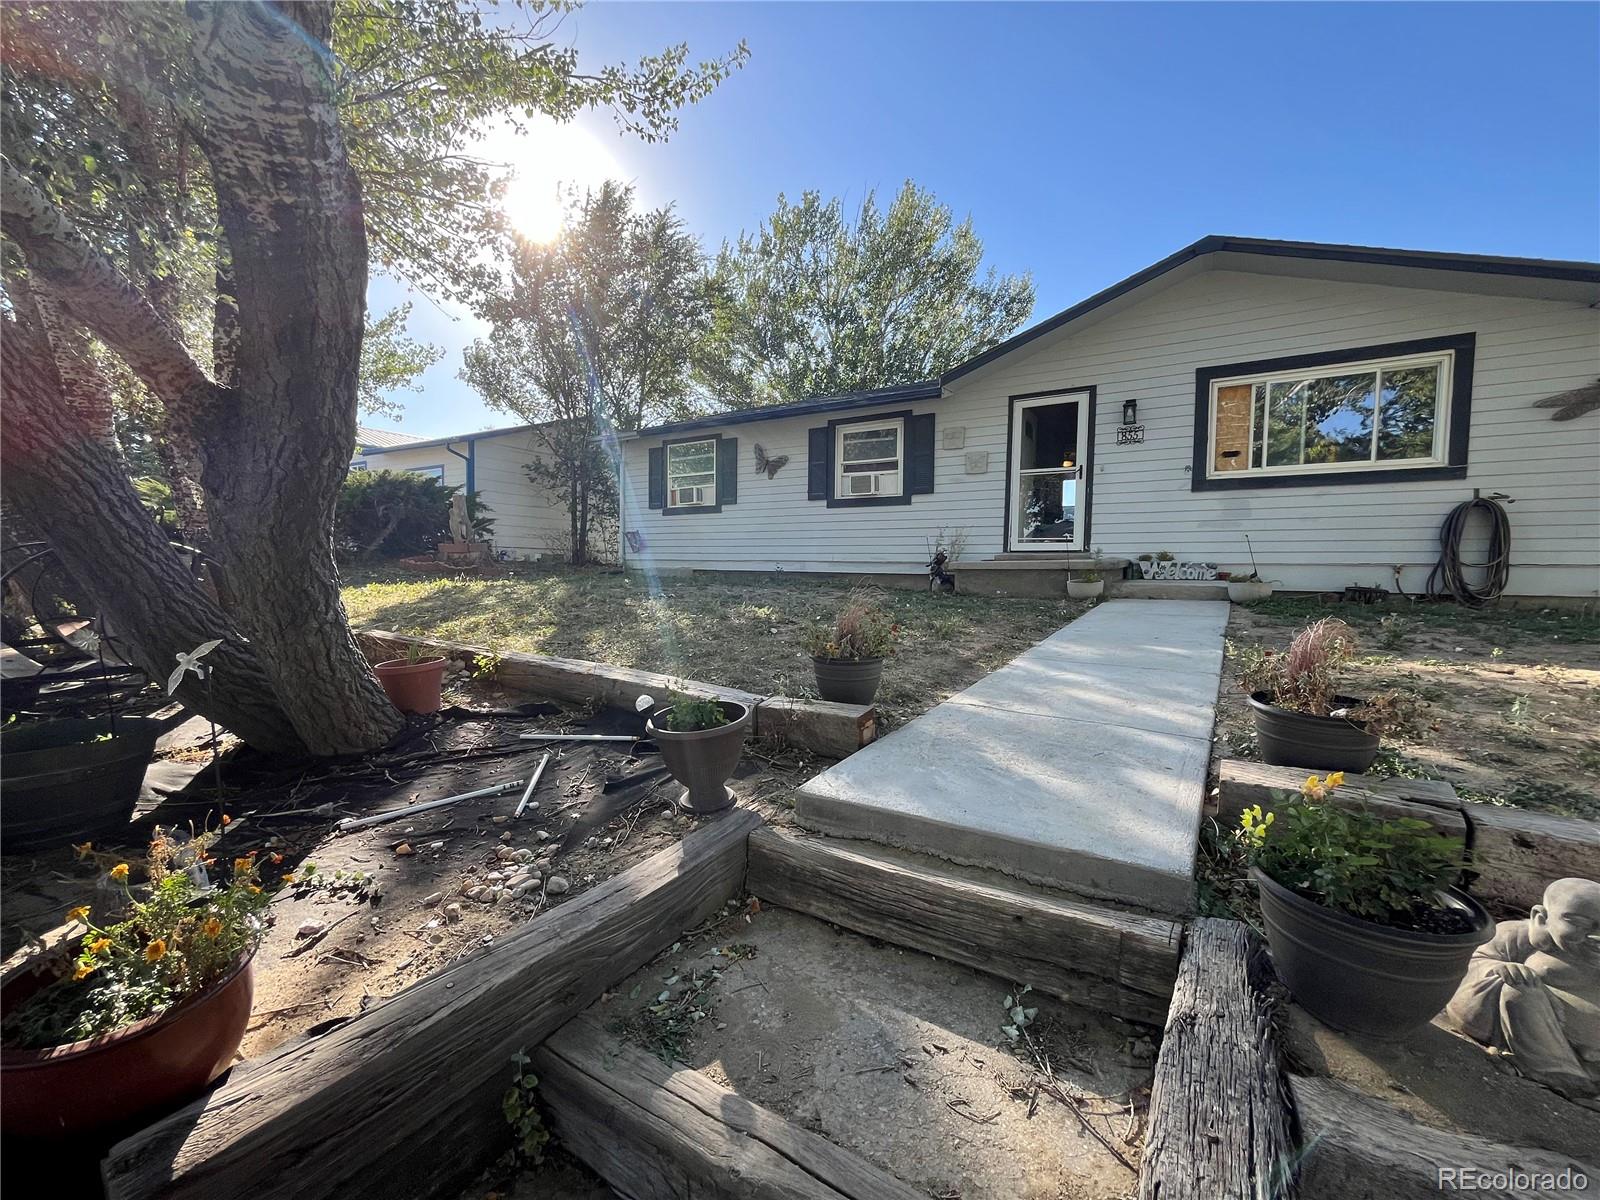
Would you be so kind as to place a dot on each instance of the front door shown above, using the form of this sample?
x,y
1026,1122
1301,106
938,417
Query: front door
x,y
1049,472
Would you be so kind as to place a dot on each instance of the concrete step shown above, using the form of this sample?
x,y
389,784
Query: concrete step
x,y
1167,589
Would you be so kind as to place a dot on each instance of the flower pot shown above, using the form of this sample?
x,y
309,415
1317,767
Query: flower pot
x,y
1248,591
1085,589
139,1069
1294,739
703,760
62,785
1358,975
412,687
848,680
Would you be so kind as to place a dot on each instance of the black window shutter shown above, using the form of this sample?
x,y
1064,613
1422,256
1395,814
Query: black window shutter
x,y
919,454
819,463
727,470
658,477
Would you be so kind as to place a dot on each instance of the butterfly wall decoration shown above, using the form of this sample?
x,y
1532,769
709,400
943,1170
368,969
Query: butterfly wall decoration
x,y
770,465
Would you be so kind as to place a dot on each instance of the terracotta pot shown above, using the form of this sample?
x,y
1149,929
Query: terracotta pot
x,y
1295,739
151,1065
63,786
1085,589
412,687
848,680
1358,975
703,760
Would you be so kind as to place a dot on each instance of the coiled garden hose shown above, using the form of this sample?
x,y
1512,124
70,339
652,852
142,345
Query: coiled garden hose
x,y
1448,577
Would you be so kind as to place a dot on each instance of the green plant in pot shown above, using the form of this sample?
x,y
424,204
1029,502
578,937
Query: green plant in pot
x,y
1301,719
414,683
1366,926
848,654
1085,585
701,741
144,1005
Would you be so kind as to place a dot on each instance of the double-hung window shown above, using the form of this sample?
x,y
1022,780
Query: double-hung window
x,y
692,474
1377,413
869,459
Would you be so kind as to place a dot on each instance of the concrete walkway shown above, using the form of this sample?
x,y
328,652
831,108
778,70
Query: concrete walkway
x,y
1081,764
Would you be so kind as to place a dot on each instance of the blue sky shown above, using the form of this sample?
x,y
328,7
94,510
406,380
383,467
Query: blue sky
x,y
1087,141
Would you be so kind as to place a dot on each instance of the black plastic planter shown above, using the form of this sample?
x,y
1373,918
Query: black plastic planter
x,y
1293,739
702,760
1358,975
63,785
848,680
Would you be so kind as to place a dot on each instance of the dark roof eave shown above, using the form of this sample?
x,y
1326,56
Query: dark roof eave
x,y
433,443
875,398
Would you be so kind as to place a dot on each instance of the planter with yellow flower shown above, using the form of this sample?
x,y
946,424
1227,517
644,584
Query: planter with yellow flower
x,y
143,1008
1366,926
848,654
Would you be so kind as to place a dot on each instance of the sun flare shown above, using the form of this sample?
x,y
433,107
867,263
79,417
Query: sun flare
x,y
551,164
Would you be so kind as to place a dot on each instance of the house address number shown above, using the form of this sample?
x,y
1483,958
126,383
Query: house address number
x,y
1130,435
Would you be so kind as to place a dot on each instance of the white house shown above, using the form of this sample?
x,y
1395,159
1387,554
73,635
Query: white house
x,y
529,522
1333,403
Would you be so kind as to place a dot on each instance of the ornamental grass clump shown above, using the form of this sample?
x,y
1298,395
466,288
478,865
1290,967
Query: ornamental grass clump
x,y
863,629
1386,870
1305,679
160,944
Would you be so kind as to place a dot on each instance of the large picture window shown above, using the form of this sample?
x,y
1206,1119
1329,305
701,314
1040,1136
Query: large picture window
x,y
692,474
1390,413
869,459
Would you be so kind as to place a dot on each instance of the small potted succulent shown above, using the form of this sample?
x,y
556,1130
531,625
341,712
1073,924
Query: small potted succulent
x,y
415,683
1366,926
143,1005
701,741
1301,719
1085,585
849,653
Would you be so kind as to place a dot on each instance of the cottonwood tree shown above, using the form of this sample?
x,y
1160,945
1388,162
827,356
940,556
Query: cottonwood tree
x,y
592,333
182,197
816,303
391,361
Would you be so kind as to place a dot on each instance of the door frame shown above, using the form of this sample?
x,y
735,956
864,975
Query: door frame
x,y
1086,396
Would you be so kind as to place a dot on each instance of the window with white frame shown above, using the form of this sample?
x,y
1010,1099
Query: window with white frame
x,y
869,459
692,474
430,472
1389,413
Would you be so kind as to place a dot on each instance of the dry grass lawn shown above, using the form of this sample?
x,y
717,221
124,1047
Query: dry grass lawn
x,y
743,634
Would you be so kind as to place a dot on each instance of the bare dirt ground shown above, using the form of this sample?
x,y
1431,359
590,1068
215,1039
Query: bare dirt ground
x,y
894,1055
743,634
1513,695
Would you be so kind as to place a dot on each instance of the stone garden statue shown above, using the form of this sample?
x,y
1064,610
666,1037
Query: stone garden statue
x,y
1533,993
460,525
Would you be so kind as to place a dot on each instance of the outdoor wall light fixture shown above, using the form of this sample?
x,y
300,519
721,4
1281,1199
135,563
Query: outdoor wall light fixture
x,y
1130,412
1066,462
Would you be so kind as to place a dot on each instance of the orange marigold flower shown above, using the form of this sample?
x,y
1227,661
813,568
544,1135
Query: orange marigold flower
x,y
99,945
242,866
226,819
83,972
82,849
120,872
253,890
288,877
155,951
212,927
81,913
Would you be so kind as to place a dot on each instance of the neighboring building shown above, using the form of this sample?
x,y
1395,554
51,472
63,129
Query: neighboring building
x,y
528,521
1332,402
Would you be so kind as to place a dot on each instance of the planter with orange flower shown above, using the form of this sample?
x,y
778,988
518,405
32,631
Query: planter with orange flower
x,y
141,1009
848,654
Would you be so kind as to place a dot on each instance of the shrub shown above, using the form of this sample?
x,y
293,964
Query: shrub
x,y
1351,860
390,514
688,715
1305,679
863,629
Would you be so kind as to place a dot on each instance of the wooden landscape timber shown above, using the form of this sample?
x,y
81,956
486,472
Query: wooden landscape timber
x,y
1117,962
1512,852
1360,1148
404,1099
832,730
655,1132
1219,1125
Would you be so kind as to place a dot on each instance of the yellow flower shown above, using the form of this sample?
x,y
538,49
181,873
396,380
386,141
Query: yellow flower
x,y
253,890
82,973
288,877
211,928
1313,788
1335,780
155,951
120,872
82,849
242,866
99,945
81,913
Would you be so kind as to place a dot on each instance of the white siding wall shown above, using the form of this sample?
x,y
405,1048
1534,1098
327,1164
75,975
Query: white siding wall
x,y
528,521
1304,537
